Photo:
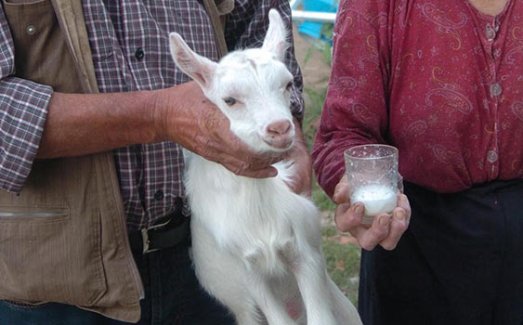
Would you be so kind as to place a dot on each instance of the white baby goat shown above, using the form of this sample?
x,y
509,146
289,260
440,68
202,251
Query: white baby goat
x,y
256,244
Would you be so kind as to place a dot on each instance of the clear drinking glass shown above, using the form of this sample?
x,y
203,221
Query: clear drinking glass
x,y
372,172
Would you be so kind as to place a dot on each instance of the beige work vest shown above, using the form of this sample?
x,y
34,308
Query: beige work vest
x,y
63,238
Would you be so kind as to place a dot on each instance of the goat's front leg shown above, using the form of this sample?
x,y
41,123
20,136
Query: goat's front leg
x,y
312,281
272,306
248,316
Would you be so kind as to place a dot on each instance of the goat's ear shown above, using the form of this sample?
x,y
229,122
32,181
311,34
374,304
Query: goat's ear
x,y
199,68
276,38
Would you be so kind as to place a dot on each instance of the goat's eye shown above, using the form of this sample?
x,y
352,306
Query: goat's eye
x,y
229,101
289,86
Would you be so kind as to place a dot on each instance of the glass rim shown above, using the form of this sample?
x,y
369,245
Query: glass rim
x,y
393,151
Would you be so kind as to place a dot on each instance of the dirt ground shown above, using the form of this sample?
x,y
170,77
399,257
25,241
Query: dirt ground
x,y
312,62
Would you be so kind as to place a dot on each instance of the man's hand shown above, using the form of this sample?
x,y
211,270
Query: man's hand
x,y
301,182
386,229
82,124
191,120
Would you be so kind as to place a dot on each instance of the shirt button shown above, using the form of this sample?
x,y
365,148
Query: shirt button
x,y
490,32
139,54
158,195
492,156
30,29
495,89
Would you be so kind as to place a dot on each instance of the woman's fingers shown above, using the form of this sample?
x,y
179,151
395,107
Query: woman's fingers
x,y
386,229
341,191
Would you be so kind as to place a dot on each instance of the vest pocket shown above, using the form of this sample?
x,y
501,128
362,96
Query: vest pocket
x,y
65,272
42,54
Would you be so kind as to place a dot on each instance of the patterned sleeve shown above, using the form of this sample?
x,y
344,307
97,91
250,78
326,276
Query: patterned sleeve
x,y
23,110
246,27
355,110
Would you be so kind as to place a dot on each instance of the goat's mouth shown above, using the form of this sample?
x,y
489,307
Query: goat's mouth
x,y
279,143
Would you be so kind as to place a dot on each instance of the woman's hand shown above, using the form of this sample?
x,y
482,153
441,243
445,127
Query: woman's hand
x,y
386,229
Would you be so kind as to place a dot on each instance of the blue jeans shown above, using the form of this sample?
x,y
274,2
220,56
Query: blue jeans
x,y
172,296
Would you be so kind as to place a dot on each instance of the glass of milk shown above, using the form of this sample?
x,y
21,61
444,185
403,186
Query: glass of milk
x,y
372,172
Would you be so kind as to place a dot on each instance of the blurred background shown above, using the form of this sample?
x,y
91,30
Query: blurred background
x,y
313,24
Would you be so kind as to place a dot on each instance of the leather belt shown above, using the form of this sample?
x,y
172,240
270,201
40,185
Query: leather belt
x,y
169,231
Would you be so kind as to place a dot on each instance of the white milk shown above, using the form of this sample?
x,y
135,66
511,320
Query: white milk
x,y
376,198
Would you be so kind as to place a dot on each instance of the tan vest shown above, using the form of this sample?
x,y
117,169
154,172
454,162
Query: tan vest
x,y
63,238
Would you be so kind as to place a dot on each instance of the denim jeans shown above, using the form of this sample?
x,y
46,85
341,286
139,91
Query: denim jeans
x,y
172,296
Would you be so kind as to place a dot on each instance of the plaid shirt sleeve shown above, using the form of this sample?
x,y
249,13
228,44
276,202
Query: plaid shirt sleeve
x,y
23,110
246,27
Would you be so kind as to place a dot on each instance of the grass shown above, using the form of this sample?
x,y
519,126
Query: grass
x,y
341,254
343,260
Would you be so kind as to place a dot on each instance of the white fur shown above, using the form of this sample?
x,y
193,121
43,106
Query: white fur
x,y
256,244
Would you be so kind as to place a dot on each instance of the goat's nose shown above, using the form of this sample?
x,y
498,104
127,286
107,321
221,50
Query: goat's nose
x,y
279,127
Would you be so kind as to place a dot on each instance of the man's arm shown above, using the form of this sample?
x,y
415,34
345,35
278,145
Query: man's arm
x,y
302,180
80,124
35,122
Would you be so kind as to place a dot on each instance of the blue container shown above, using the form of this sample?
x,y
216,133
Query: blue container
x,y
313,29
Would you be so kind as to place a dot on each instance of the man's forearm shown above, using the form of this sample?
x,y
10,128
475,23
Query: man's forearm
x,y
80,124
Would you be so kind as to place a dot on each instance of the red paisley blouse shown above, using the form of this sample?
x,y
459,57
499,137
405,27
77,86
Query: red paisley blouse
x,y
437,79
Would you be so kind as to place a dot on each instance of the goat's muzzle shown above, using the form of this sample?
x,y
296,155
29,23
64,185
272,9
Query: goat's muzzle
x,y
279,134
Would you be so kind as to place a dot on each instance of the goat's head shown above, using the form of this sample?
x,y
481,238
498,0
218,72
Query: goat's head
x,y
251,87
